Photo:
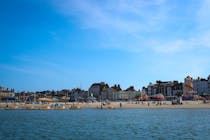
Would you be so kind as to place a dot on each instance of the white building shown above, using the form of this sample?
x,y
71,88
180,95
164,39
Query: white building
x,y
200,86
209,84
113,95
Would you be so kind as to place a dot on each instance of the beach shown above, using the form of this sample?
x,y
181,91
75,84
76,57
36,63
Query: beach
x,y
110,105
147,104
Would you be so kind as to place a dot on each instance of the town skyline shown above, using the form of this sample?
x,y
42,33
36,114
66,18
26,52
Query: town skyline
x,y
118,86
190,89
57,45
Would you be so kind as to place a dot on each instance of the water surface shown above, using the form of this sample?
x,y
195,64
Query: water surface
x,y
105,124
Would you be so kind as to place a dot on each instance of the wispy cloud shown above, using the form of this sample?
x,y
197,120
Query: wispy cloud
x,y
144,21
124,16
203,15
168,28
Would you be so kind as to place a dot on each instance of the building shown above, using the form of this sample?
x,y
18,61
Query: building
x,y
96,90
128,95
78,95
188,89
6,95
144,91
209,84
121,95
177,88
200,86
167,88
115,94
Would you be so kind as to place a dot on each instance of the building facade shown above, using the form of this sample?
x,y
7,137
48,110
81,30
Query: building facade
x,y
6,94
78,95
209,84
96,89
188,89
200,86
116,95
167,88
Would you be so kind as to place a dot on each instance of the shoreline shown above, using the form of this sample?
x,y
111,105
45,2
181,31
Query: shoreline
x,y
112,105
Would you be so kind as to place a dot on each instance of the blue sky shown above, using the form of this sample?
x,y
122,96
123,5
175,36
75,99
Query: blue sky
x,y
57,44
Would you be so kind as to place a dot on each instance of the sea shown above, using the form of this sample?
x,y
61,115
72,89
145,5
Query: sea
x,y
95,124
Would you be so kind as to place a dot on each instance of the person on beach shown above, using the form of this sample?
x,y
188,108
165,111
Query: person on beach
x,y
120,105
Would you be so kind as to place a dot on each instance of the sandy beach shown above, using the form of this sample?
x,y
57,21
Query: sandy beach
x,y
148,104
111,105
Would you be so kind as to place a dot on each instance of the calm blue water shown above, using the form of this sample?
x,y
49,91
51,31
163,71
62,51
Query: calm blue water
x,y
106,124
